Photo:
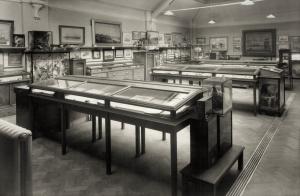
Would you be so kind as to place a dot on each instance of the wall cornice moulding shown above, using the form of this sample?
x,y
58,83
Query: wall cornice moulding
x,y
42,2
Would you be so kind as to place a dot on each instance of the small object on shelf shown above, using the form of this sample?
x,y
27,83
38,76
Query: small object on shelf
x,y
271,91
220,88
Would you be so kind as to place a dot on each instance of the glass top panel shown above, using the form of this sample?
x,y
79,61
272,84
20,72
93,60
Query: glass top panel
x,y
160,97
57,83
98,89
237,69
201,68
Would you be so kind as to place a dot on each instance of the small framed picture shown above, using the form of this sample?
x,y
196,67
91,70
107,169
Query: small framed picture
x,y
119,53
152,37
96,54
15,60
128,53
18,40
108,55
283,38
143,35
71,35
127,38
86,54
136,35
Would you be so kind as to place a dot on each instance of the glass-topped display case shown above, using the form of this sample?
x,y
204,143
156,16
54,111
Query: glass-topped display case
x,y
271,91
237,72
142,97
220,88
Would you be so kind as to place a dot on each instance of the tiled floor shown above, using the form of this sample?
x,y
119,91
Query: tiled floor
x,y
82,170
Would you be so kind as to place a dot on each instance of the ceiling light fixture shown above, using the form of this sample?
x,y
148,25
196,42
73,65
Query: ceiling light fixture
x,y
247,2
271,16
211,22
169,13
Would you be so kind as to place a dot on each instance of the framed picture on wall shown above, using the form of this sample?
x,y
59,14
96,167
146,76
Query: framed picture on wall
x,y
259,43
295,43
106,32
18,40
6,32
143,35
108,55
201,40
14,60
127,38
40,40
128,53
283,38
96,54
218,43
177,39
136,35
71,35
152,37
85,54
119,53
237,44
168,39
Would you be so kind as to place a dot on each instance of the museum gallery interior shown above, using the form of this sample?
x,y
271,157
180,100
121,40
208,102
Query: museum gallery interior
x,y
149,97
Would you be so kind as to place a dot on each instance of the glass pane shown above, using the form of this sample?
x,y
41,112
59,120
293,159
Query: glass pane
x,y
170,98
61,84
98,89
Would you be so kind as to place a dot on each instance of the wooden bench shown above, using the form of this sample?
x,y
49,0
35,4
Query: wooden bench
x,y
208,180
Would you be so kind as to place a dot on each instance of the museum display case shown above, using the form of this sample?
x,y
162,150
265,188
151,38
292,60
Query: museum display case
x,y
220,88
272,91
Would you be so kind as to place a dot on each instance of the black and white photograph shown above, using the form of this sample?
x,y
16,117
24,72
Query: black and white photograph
x,y
149,98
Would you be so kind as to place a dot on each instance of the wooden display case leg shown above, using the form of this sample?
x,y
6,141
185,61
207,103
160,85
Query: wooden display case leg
x,y
241,162
122,125
143,138
163,136
63,130
173,138
93,128
137,141
254,99
99,127
108,145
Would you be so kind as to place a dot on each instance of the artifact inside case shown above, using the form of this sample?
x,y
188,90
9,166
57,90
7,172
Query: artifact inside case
x,y
220,89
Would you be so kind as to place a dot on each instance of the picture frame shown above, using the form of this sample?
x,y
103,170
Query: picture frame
x,y
18,40
127,53
260,43
294,44
283,38
6,32
119,53
96,54
40,40
152,37
86,54
237,44
177,39
200,40
15,60
161,39
108,55
127,38
168,39
136,35
106,33
71,35
143,35
218,43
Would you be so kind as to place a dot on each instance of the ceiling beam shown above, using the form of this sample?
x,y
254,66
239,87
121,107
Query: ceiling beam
x,y
161,7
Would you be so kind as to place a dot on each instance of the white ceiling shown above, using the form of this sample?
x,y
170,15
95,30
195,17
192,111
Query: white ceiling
x,y
285,10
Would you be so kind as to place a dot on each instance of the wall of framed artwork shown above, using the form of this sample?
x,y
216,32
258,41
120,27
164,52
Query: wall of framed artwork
x,y
6,32
218,43
260,42
106,33
295,44
72,35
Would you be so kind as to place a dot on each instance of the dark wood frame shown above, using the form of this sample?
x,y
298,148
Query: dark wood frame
x,y
258,53
60,27
18,35
108,59
11,22
94,21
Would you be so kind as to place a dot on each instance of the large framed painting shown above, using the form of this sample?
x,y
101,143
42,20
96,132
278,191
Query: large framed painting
x,y
106,33
40,40
260,43
152,37
6,32
218,43
71,35
294,43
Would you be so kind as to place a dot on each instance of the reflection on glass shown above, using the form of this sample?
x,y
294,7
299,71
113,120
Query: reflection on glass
x,y
98,89
269,95
57,83
161,97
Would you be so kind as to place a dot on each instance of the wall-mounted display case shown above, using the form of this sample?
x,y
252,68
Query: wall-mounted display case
x,y
220,89
271,91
